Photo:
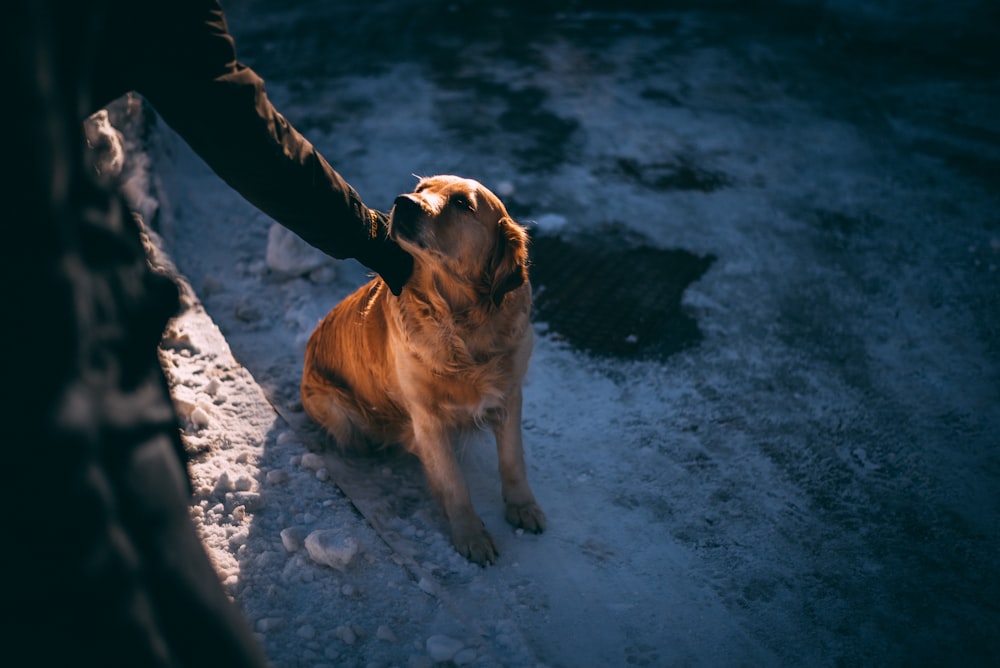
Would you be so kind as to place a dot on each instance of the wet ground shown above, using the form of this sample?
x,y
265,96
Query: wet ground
x,y
610,293
766,247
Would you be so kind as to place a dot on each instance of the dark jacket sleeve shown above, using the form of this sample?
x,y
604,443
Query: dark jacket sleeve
x,y
219,106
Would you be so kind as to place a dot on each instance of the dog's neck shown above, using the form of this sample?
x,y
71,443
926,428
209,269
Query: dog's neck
x,y
454,297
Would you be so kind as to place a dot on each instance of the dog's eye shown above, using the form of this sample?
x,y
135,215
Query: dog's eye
x,y
462,202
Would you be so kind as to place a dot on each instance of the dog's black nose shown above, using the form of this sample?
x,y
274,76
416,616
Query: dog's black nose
x,y
407,205
405,212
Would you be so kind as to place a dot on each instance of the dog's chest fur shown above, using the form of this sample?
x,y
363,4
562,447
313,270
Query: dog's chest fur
x,y
463,362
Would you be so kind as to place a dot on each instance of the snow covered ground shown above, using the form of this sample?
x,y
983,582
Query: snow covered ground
x,y
810,477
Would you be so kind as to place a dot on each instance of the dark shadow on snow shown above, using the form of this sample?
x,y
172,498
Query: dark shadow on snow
x,y
611,293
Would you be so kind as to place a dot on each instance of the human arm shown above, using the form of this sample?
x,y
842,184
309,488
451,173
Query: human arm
x,y
220,108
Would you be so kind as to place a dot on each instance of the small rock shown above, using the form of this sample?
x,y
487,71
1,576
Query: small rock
x,y
246,312
211,286
276,476
307,632
291,539
465,657
550,221
252,501
419,662
266,624
346,633
312,461
442,648
426,586
288,437
385,634
243,484
331,548
504,188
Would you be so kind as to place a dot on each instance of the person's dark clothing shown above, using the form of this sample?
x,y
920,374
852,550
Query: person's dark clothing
x,y
103,565
180,56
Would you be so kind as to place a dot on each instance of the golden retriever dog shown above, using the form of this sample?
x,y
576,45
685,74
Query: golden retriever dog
x,y
447,355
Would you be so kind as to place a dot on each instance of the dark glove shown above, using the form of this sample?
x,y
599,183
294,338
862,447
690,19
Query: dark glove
x,y
384,256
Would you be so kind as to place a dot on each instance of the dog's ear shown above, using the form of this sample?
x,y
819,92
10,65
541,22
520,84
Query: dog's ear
x,y
509,267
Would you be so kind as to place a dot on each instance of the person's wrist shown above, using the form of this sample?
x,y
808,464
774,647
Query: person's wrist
x,y
396,266
383,255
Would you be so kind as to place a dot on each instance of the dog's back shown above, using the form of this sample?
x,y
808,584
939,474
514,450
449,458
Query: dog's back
x,y
344,383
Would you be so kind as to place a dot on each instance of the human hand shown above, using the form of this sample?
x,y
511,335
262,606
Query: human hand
x,y
385,257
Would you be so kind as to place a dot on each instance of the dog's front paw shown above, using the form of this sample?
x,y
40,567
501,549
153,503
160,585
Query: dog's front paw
x,y
476,545
527,516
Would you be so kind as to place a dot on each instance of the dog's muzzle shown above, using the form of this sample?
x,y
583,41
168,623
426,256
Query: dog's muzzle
x,y
406,211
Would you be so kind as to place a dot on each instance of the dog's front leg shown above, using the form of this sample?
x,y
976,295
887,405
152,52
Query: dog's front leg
x,y
521,508
432,445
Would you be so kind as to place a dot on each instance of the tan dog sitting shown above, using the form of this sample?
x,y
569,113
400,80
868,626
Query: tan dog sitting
x,y
448,354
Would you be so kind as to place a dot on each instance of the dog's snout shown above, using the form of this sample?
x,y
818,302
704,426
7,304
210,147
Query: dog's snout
x,y
405,212
407,206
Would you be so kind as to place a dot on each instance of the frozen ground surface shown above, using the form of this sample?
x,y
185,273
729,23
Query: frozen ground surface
x,y
792,462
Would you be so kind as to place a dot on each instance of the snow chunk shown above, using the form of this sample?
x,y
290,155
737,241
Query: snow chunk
x,y
442,648
212,387
346,633
289,255
107,145
291,538
252,501
550,222
266,624
504,188
465,657
427,587
199,417
222,485
312,461
331,548
276,476
385,634
239,539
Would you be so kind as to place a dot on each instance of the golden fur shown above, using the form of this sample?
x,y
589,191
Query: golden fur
x,y
448,354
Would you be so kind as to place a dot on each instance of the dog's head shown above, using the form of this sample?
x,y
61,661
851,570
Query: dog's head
x,y
456,228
